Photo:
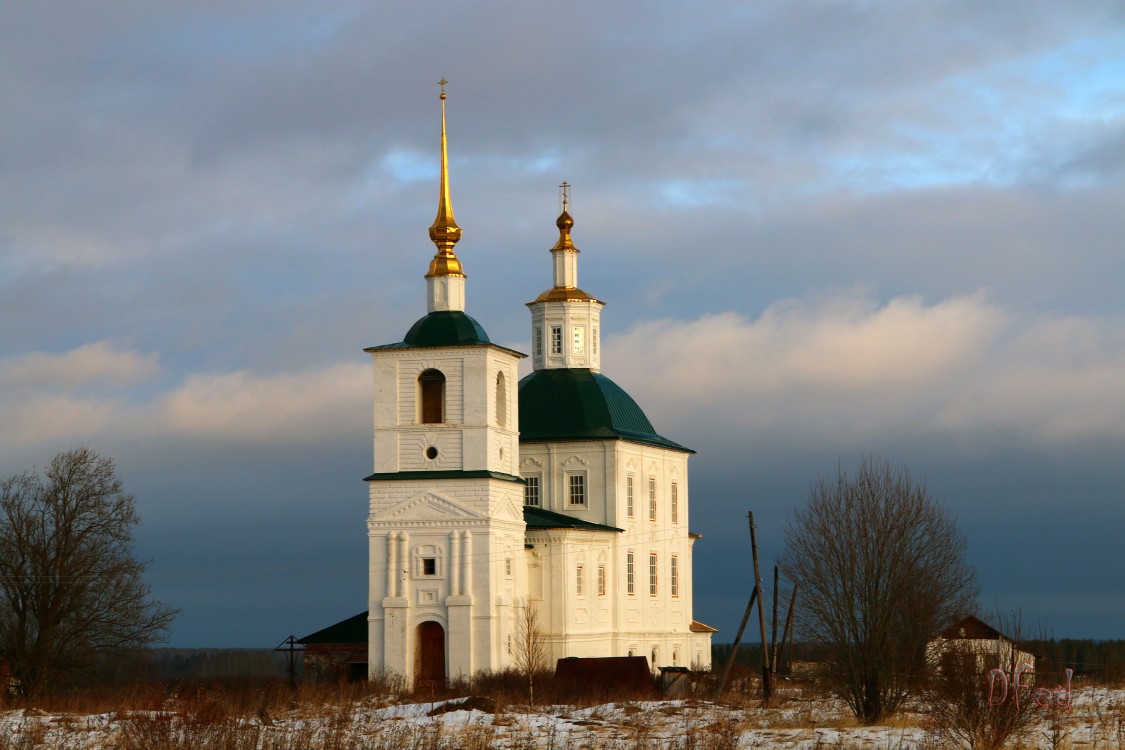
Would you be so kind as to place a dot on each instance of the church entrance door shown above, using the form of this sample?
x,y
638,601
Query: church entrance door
x,y
429,655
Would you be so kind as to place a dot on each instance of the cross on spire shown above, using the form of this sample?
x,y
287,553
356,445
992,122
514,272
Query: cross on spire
x,y
564,190
442,83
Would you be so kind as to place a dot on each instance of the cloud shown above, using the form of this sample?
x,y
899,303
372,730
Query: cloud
x,y
849,368
286,407
77,396
96,362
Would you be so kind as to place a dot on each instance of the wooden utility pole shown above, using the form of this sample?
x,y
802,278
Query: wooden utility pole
x,y
787,635
773,630
766,689
737,641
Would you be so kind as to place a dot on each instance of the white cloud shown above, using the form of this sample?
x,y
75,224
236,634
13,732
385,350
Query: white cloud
x,y
285,407
848,368
97,362
79,396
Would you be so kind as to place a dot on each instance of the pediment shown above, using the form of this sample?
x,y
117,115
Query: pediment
x,y
427,507
511,510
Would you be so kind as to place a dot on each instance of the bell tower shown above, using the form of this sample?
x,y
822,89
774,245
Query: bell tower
x,y
565,321
445,522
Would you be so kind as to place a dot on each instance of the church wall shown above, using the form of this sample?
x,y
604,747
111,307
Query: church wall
x,y
470,436
585,625
469,529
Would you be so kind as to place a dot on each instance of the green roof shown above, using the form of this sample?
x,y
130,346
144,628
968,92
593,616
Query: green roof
x,y
538,518
441,474
442,328
578,404
351,630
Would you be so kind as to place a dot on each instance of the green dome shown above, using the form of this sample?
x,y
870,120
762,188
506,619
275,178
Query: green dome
x,y
577,404
443,328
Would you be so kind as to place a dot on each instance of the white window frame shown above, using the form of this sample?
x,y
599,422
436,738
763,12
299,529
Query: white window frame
x,y
538,341
629,505
653,574
556,340
576,481
674,577
580,580
533,490
675,502
630,573
652,498
578,340
421,554
601,580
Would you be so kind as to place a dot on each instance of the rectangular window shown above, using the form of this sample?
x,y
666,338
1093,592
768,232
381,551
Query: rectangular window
x,y
538,342
675,577
652,498
629,573
580,579
629,496
675,503
531,491
652,570
556,339
579,340
429,566
594,341
601,580
508,566
577,489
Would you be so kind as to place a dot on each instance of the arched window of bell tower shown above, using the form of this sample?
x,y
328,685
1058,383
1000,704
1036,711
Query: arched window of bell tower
x,y
431,397
501,400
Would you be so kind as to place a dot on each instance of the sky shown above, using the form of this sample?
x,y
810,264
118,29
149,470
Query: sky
x,y
824,230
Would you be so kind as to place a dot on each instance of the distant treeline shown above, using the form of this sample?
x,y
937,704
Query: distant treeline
x,y
213,663
1101,661
750,654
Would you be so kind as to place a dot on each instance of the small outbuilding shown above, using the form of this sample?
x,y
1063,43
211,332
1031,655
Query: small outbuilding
x,y
338,652
972,646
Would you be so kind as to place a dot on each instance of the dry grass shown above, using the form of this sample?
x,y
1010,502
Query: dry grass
x,y
267,715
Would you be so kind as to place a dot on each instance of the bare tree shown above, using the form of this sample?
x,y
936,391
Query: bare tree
x,y
882,568
530,648
71,588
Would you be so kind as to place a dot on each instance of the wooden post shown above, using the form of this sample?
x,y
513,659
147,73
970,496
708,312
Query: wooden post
x,y
787,635
773,630
737,641
766,688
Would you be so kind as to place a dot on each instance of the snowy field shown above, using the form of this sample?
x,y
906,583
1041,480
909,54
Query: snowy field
x,y
1096,721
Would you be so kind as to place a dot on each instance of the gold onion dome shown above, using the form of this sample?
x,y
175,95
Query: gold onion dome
x,y
564,223
444,232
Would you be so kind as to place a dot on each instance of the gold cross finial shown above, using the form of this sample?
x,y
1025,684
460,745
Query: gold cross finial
x,y
442,83
565,188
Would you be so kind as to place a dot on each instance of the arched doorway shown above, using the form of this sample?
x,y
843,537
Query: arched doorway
x,y
429,654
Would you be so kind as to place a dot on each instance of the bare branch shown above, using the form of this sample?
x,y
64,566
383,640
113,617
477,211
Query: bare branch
x,y
882,568
72,590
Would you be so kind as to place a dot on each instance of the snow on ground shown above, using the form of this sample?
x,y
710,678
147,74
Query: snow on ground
x,y
1096,722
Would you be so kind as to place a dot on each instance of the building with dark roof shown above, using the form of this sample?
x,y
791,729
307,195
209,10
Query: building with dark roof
x,y
491,500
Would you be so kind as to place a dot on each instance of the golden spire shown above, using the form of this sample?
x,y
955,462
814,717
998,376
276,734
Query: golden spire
x,y
444,232
564,222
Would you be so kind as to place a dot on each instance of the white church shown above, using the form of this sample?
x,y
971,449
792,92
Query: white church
x,y
492,494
